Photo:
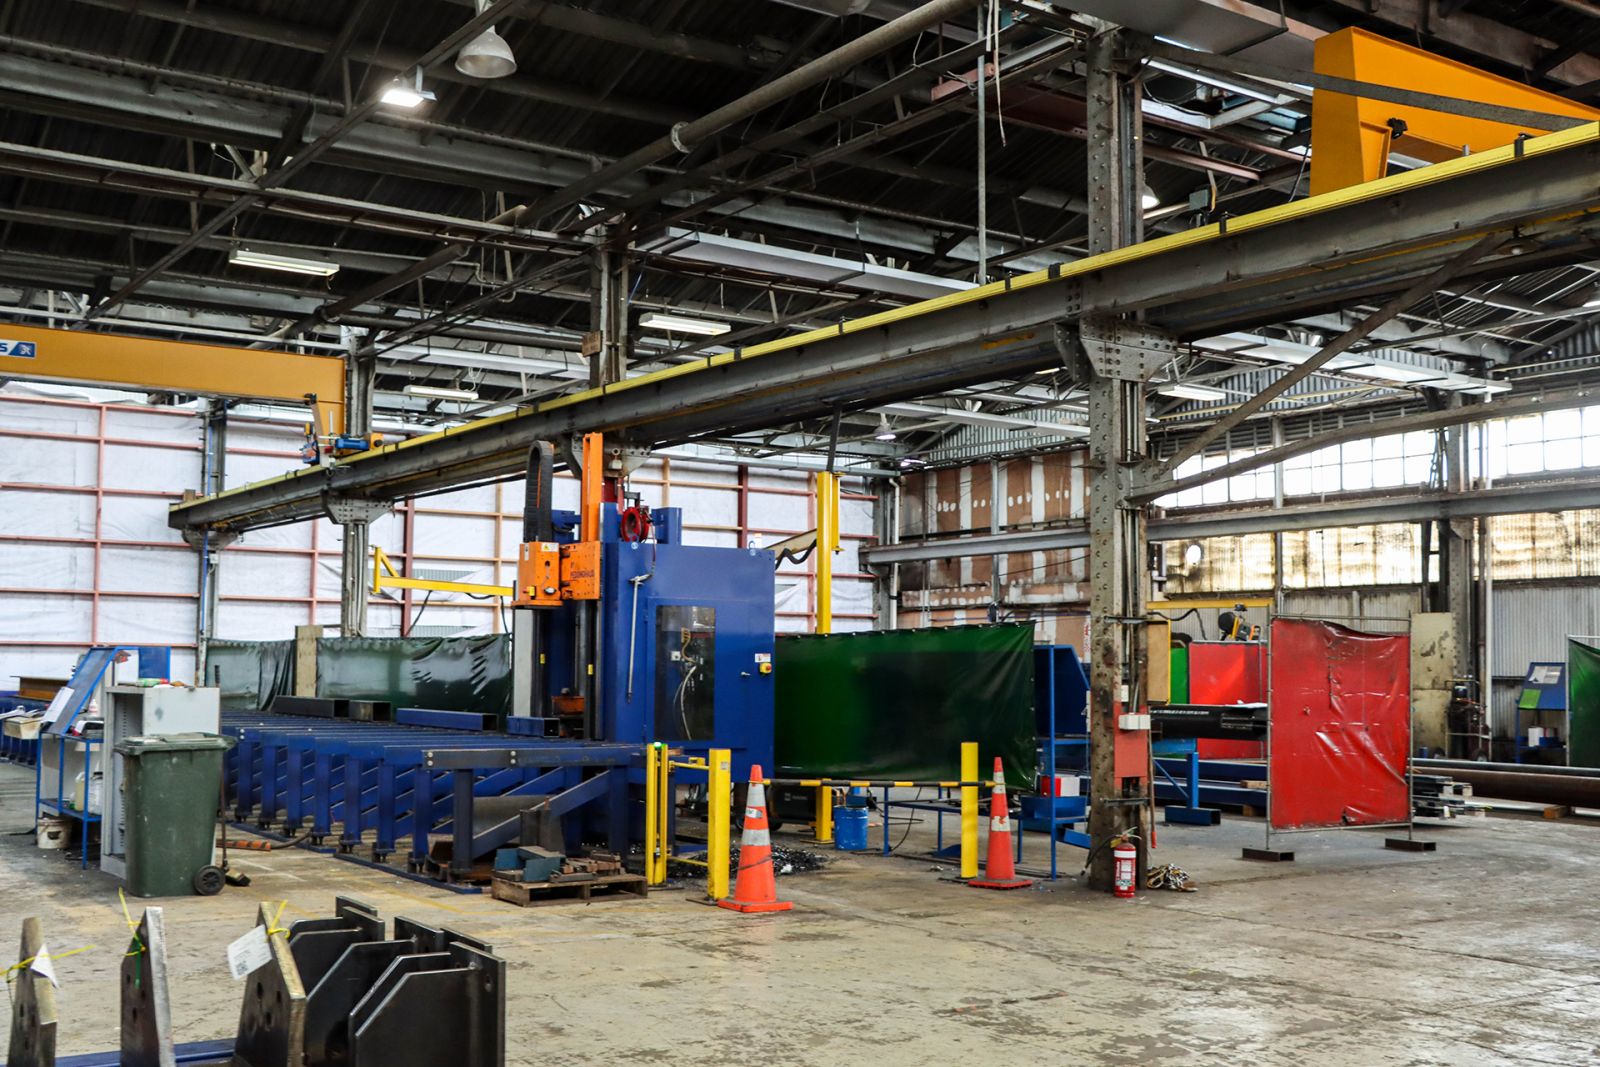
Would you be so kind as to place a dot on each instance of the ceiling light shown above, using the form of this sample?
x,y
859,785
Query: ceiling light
x,y
246,257
400,93
1394,372
884,432
1148,200
1186,391
439,392
486,55
657,320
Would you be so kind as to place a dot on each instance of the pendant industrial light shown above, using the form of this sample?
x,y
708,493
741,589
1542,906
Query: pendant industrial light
x,y
486,55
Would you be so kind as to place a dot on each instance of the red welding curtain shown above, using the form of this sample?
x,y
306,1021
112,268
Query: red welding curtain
x,y
1228,672
1341,726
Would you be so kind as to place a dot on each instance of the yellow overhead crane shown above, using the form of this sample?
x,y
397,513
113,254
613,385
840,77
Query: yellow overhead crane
x,y
1352,136
79,357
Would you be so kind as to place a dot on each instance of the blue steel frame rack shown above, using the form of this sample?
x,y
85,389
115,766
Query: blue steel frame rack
x,y
394,781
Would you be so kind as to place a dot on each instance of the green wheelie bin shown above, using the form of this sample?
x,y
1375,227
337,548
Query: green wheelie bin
x,y
170,794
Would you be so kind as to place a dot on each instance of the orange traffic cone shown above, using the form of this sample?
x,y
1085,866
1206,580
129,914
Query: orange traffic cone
x,y
999,872
755,889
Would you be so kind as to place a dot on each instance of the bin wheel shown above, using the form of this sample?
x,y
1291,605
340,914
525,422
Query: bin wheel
x,y
208,881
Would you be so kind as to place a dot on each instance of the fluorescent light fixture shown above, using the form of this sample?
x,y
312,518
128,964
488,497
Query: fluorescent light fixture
x,y
884,432
248,257
1395,372
658,320
486,55
1186,391
439,392
1148,200
400,94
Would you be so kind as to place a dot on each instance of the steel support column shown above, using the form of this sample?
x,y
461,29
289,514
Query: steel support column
x,y
607,344
1119,759
210,543
357,545
1456,549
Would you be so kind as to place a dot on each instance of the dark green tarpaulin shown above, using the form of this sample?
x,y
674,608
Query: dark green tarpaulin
x,y
250,673
898,703
452,673
1583,704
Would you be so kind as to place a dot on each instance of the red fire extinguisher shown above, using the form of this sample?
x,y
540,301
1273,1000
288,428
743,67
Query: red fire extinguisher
x,y
1124,863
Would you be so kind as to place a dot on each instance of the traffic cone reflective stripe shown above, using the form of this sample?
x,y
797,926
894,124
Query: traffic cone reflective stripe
x,y
999,872
999,807
755,889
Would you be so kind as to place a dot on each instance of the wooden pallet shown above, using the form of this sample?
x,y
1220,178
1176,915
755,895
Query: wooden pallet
x,y
541,894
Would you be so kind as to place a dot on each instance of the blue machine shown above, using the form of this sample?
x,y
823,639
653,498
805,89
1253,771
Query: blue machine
x,y
685,651
686,643
683,643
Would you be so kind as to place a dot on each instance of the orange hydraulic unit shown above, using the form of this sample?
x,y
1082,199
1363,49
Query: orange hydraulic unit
x,y
1352,137
550,574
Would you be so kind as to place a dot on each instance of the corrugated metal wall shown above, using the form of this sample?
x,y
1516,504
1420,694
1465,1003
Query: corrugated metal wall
x,y
1018,493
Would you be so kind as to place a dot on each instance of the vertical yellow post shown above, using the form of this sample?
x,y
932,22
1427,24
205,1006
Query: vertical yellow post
x,y
719,804
663,810
824,827
969,810
652,753
827,545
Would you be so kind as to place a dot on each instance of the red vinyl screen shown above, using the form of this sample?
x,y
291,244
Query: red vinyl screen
x,y
1228,672
1341,726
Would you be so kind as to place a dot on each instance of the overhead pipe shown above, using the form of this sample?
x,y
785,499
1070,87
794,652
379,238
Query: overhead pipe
x,y
685,136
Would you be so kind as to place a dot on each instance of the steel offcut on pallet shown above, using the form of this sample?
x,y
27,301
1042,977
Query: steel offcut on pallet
x,y
320,992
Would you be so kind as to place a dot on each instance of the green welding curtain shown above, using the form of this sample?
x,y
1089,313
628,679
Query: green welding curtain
x,y
450,673
1583,704
898,703
250,673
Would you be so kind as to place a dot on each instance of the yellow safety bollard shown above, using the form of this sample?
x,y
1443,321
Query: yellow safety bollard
x,y
652,755
663,811
969,810
824,820
719,811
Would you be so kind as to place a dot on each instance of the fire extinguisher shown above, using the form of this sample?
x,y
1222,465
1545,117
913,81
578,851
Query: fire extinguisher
x,y
1124,864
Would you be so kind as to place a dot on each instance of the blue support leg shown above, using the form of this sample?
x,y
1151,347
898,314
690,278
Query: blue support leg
x,y
383,841
421,815
1193,814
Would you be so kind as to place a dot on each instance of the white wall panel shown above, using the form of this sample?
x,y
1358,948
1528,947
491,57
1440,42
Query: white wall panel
x,y
259,574
146,621
151,469
44,565
45,462
149,570
452,535
38,513
135,518
44,617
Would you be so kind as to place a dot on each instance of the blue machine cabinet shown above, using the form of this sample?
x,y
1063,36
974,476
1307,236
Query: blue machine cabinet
x,y
686,644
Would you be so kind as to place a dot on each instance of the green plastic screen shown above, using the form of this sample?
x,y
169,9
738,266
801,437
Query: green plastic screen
x,y
1583,704
250,673
898,703
1180,674
451,673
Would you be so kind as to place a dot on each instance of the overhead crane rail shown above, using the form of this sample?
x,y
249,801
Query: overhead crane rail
x,y
1242,272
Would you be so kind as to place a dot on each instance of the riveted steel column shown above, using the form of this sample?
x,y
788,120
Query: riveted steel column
x,y
1118,576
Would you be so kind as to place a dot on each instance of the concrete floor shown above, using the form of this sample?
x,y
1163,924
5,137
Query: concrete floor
x,y
1482,953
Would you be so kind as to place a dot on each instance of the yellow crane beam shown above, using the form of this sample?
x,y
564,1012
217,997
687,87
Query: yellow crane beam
x,y
79,357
